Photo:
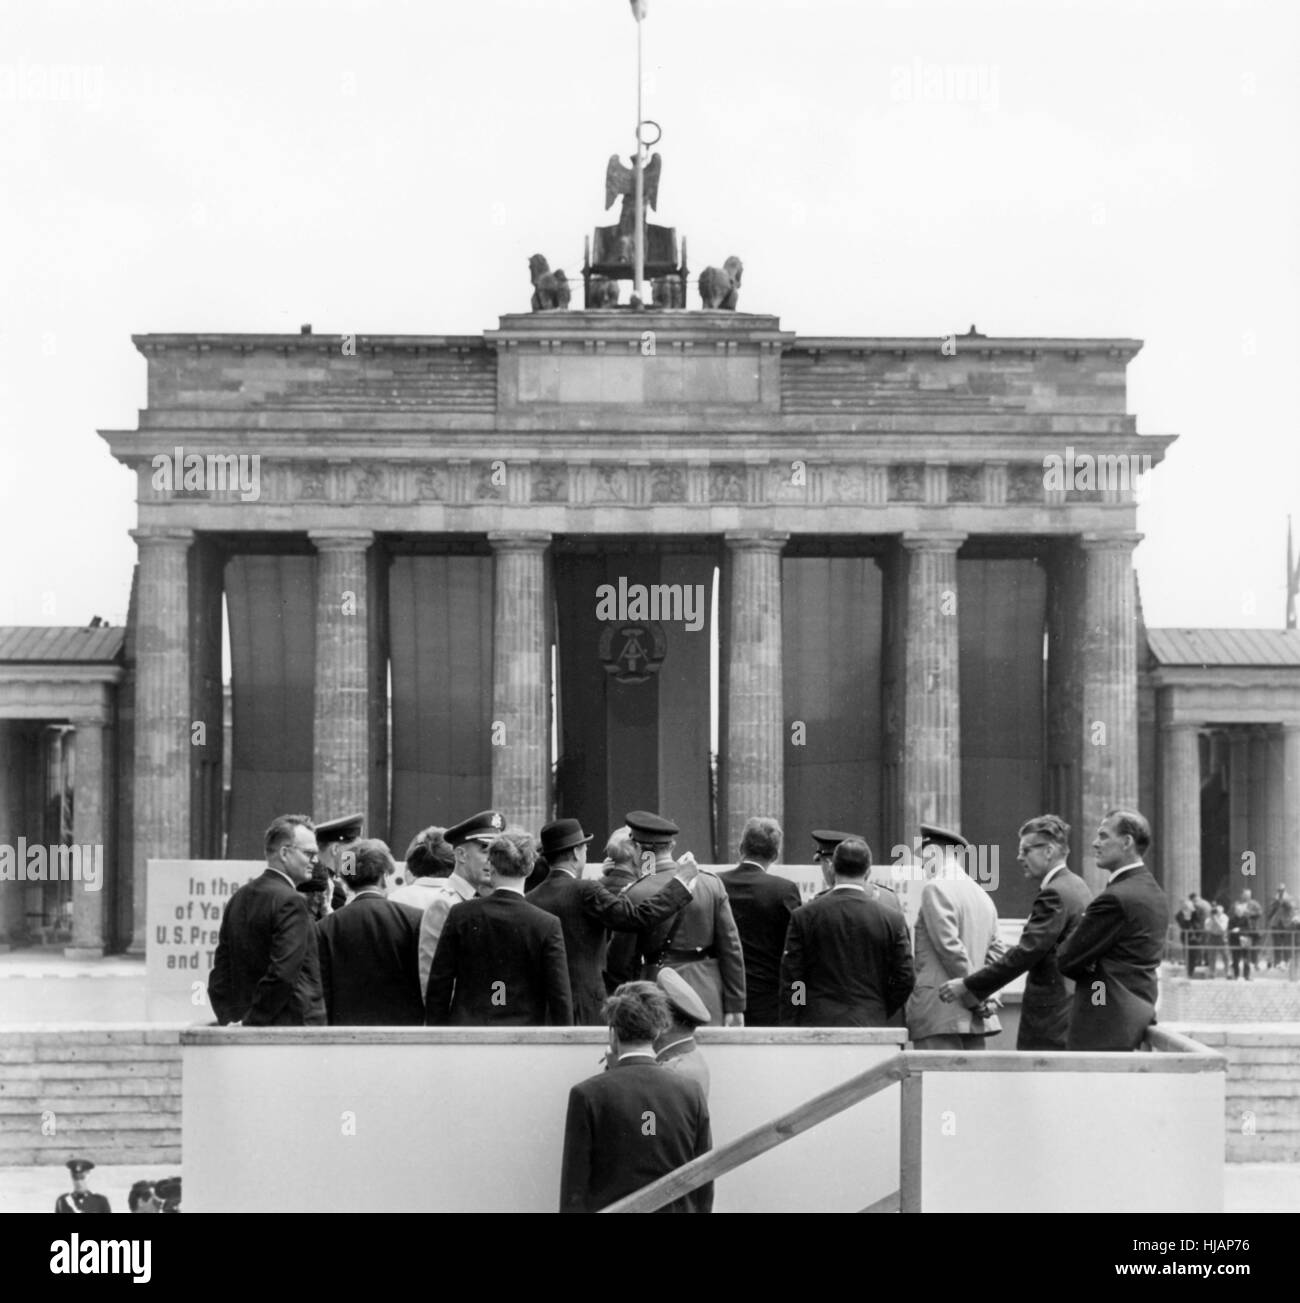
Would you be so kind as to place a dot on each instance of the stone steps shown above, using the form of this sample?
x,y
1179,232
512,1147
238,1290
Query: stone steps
x,y
1261,1111
112,1095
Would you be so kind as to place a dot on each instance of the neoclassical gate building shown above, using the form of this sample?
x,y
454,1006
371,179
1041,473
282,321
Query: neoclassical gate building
x,y
917,618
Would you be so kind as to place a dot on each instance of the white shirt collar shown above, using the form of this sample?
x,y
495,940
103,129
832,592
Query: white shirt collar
x,y
681,1040
1128,868
1050,874
850,886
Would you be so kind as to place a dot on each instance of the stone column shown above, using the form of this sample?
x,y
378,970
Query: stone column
x,y
162,710
1283,871
1107,661
341,769
755,741
1240,837
89,838
521,679
1179,825
932,689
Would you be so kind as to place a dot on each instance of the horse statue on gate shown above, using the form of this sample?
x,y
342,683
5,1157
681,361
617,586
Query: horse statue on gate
x,y
550,288
720,286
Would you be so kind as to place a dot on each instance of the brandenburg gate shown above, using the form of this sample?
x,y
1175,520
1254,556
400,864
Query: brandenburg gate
x,y
450,544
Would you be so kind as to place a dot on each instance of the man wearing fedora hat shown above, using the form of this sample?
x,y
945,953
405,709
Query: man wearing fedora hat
x,y
588,911
81,1200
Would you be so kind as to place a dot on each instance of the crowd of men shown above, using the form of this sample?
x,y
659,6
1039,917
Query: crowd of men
x,y
494,929
491,928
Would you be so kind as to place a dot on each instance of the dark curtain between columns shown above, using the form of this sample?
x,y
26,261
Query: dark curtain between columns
x,y
832,610
440,644
1002,613
270,601
206,814
629,746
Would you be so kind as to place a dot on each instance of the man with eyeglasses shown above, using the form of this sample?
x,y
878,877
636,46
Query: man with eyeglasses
x,y
1059,905
266,972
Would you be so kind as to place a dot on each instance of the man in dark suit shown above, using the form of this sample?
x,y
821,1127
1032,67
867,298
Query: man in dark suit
x,y
588,911
1058,907
848,959
761,904
500,961
1115,951
266,972
370,949
609,1151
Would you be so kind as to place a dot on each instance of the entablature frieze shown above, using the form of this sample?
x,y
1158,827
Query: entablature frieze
x,y
735,476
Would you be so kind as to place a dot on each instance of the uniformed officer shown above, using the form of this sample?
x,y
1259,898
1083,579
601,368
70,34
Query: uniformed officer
x,y
81,1200
877,888
702,942
323,890
677,1048
470,876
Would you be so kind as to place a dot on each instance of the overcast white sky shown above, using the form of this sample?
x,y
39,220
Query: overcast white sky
x,y
1037,168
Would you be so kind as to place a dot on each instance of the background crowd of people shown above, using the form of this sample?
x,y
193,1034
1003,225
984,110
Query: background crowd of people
x,y
1239,934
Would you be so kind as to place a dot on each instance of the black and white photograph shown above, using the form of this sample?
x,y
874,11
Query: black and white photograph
x,y
651,606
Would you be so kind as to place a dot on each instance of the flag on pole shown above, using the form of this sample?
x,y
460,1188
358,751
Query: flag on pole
x,y
638,9
1292,579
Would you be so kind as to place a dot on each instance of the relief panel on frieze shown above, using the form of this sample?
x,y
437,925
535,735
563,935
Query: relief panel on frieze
x,y
367,484
431,484
550,483
845,484
667,484
609,484
787,481
906,483
1024,484
489,481
312,482
965,484
726,484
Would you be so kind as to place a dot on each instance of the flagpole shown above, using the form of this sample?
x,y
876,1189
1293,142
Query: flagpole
x,y
639,256
1292,579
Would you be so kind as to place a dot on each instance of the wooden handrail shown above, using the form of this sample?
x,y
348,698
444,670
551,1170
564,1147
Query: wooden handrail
x,y
718,1162
1165,1041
